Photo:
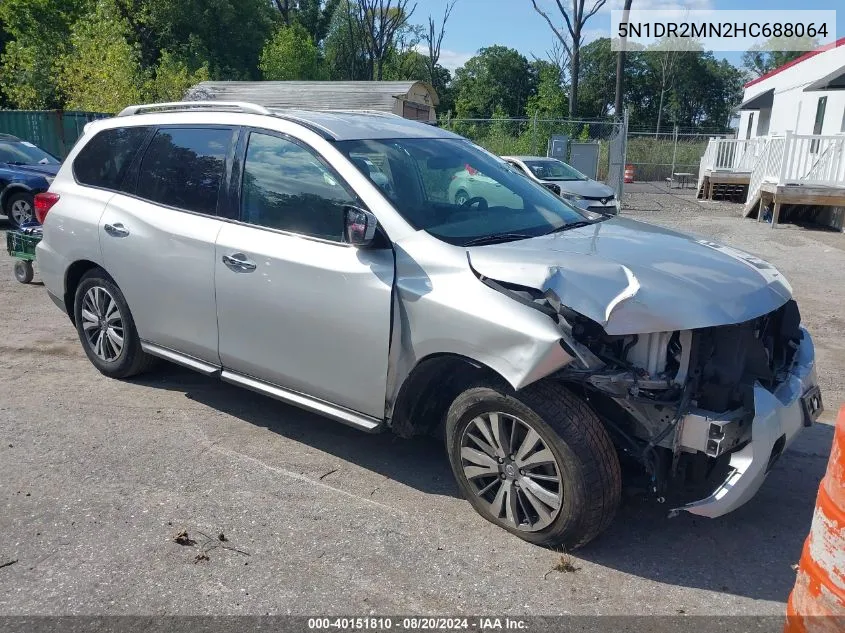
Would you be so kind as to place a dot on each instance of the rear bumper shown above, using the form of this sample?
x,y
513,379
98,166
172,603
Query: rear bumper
x,y
778,418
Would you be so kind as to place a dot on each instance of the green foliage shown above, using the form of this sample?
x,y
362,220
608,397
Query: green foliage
x,y
102,71
228,35
171,79
764,58
290,54
37,33
315,17
699,91
104,54
344,46
550,100
497,77
409,64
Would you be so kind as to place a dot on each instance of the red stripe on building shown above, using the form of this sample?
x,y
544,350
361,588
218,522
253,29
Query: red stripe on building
x,y
798,60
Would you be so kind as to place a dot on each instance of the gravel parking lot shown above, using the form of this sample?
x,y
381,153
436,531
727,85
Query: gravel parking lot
x,y
98,476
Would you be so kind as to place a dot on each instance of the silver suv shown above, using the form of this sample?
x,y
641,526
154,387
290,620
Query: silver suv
x,y
318,258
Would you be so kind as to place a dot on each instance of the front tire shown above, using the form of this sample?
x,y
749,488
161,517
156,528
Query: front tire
x,y
537,462
106,328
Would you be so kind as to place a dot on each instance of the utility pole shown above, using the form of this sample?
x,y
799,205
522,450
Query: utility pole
x,y
620,67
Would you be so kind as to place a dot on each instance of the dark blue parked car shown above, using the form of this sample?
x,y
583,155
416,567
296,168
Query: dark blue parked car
x,y
24,171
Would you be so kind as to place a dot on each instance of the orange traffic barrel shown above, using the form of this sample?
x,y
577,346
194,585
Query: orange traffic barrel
x,y
629,173
817,602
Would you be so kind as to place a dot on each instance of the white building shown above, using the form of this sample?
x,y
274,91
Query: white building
x,y
805,96
790,148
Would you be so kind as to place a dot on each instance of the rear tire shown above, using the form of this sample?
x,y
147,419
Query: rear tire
x,y
106,328
564,482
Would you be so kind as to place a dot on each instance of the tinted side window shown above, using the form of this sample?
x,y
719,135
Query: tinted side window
x,y
183,168
287,187
105,159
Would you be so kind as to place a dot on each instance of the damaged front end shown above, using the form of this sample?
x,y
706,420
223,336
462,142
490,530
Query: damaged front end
x,y
705,411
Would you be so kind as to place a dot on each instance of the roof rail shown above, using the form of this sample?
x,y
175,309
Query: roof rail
x,y
366,111
176,106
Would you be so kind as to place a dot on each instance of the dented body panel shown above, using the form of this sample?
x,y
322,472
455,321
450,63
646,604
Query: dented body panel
x,y
442,308
635,278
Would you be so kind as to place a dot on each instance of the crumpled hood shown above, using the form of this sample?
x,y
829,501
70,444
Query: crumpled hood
x,y
635,278
586,188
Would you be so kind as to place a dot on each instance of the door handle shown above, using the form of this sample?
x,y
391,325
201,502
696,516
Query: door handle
x,y
116,230
239,262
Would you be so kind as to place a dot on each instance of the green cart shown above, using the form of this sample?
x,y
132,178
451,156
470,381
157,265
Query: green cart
x,y
21,245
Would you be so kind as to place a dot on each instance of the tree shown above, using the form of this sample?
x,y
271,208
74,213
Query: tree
x,y
434,39
228,35
171,79
666,58
497,77
706,91
379,21
102,72
549,101
406,65
766,57
290,54
597,78
575,20
343,48
314,16
37,34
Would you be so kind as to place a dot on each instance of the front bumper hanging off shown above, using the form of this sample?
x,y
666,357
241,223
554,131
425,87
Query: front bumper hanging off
x,y
778,418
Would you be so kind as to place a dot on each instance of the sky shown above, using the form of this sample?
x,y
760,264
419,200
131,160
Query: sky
x,y
475,24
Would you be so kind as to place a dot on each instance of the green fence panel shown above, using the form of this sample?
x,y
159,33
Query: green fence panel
x,y
52,130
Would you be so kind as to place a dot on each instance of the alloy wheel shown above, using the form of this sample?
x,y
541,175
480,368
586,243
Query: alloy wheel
x,y
21,211
102,324
509,465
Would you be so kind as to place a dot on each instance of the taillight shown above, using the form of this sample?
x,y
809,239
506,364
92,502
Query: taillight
x,y
43,203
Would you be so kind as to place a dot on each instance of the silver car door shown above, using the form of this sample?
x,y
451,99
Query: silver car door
x,y
158,243
297,307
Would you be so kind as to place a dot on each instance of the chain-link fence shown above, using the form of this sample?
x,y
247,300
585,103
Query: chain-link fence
x,y
658,157
532,136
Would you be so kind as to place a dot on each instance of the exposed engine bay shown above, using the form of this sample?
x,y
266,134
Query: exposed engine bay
x,y
678,403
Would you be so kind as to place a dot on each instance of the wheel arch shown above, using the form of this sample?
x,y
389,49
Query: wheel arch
x,y
430,387
11,189
73,275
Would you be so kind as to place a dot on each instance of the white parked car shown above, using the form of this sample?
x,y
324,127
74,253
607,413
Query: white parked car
x,y
470,187
567,182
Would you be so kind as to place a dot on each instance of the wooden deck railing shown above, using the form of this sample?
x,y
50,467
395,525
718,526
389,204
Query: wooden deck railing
x,y
809,159
729,154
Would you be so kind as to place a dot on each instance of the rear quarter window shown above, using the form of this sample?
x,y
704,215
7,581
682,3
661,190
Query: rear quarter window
x,y
184,167
106,158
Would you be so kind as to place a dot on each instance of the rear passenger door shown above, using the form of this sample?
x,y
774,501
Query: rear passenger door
x,y
157,239
297,307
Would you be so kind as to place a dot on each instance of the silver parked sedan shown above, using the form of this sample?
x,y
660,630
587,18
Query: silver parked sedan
x,y
325,259
567,182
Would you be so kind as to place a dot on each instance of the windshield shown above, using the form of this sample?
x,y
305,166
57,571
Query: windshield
x,y
24,153
458,192
553,170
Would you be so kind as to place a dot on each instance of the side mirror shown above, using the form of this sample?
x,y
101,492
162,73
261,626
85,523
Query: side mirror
x,y
360,226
